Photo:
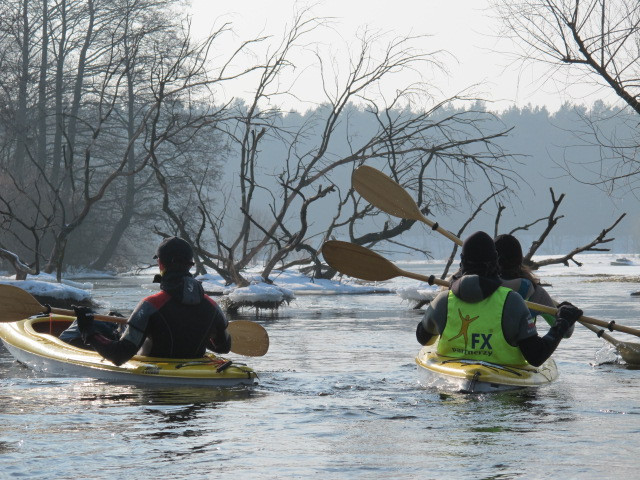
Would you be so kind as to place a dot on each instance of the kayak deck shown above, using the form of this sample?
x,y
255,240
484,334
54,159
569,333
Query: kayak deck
x,y
35,343
475,376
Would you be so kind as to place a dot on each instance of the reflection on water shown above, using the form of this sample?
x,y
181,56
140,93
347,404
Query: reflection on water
x,y
339,398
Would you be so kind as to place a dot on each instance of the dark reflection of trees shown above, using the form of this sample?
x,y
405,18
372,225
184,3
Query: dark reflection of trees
x,y
174,410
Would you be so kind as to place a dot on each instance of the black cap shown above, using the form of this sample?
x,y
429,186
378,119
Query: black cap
x,y
509,250
174,250
479,248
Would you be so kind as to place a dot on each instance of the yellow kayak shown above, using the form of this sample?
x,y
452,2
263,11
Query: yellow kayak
x,y
35,343
475,376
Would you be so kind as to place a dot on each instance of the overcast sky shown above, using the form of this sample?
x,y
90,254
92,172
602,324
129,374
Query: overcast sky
x,y
464,28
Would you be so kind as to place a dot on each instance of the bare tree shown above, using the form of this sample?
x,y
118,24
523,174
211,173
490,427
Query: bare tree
x,y
552,220
287,167
126,84
596,42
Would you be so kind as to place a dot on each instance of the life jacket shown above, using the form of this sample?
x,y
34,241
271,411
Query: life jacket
x,y
474,330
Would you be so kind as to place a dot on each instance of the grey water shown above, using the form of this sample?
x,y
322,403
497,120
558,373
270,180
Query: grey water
x,y
339,397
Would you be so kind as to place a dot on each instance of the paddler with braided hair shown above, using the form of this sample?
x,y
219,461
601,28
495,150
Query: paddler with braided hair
x,y
178,322
479,319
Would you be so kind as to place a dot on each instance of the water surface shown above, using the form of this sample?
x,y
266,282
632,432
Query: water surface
x,y
338,397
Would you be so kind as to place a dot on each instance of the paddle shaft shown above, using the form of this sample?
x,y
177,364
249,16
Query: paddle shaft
x,y
603,334
96,316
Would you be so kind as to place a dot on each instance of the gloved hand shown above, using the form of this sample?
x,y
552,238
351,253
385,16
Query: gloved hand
x,y
569,312
84,318
566,317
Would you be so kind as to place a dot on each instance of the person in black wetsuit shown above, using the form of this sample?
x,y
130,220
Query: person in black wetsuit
x,y
180,321
480,319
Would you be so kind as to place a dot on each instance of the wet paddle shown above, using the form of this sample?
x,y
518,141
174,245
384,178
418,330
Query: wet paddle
x,y
383,192
629,351
248,338
360,262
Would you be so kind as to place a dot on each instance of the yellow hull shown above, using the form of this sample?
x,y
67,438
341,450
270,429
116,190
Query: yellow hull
x,y
474,376
34,342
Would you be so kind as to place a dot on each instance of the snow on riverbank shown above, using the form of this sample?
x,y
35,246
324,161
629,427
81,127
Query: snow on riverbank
x,y
287,284
46,288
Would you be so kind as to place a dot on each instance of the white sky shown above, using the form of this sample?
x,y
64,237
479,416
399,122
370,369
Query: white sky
x,y
464,28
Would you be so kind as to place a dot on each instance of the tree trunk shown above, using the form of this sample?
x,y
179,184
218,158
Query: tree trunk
x,y
59,84
42,89
21,114
125,220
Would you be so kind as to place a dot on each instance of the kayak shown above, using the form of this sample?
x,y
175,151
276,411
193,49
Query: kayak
x,y
35,343
476,376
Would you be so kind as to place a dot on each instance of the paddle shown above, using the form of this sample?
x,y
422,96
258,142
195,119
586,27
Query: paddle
x,y
248,338
629,351
360,262
384,193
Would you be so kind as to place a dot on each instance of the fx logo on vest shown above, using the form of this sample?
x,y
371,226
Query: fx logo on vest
x,y
476,338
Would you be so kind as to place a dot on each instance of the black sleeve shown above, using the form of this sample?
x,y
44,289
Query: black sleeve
x,y
117,352
120,351
536,350
422,335
219,340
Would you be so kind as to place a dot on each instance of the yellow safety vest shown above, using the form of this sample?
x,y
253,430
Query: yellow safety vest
x,y
474,331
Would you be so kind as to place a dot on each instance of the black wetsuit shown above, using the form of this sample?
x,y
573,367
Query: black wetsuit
x,y
178,322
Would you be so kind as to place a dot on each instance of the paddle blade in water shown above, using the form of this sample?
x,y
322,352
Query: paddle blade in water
x,y
16,304
248,338
630,352
357,261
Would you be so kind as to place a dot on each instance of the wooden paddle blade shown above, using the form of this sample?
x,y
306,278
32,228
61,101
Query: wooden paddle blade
x,y
17,304
381,191
357,261
630,352
248,338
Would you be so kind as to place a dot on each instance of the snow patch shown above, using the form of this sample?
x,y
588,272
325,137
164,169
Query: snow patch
x,y
49,289
418,293
260,292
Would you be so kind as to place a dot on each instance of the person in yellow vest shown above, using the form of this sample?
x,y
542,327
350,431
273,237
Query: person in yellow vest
x,y
517,276
479,319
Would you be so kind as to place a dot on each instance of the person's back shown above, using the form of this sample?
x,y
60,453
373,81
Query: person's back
x,y
477,304
178,322
484,321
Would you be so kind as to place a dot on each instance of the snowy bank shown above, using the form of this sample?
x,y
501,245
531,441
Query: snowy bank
x,y
44,290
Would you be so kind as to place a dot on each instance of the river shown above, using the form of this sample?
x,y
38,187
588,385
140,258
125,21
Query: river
x,y
338,398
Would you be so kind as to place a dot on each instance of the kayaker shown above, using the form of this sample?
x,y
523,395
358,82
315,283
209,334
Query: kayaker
x,y
518,277
178,322
480,319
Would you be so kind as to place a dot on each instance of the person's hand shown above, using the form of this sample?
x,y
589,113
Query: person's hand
x,y
569,313
84,318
